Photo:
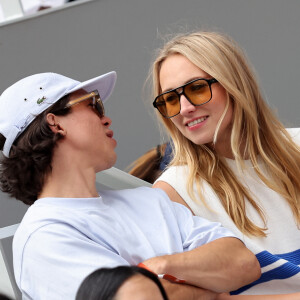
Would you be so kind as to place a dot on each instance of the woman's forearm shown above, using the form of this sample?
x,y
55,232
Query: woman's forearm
x,y
220,266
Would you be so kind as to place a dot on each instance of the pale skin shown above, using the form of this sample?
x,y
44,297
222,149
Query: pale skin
x,y
175,71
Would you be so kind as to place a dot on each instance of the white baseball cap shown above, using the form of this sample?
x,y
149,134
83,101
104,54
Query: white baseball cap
x,y
22,102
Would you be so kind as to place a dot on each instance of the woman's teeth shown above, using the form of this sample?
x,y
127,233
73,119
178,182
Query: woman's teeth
x,y
196,121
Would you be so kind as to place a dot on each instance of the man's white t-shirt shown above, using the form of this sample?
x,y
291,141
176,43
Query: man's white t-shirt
x,y
61,240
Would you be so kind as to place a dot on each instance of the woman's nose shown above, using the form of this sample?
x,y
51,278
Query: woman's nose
x,y
186,107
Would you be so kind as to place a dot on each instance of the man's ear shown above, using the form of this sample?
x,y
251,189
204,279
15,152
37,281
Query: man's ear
x,y
54,124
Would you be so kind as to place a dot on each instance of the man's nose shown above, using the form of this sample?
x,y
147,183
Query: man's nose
x,y
106,121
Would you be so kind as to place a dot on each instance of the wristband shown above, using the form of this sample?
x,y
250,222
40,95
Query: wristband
x,y
163,276
171,278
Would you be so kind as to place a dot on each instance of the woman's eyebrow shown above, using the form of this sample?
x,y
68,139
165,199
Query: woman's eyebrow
x,y
187,81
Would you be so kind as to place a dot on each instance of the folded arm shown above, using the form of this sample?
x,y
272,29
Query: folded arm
x,y
220,266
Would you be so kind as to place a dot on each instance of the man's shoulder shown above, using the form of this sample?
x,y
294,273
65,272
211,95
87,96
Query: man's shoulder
x,y
144,196
140,192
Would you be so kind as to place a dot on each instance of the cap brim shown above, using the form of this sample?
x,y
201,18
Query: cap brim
x,y
104,84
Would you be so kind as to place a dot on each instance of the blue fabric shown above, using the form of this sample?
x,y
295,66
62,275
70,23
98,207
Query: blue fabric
x,y
167,157
283,271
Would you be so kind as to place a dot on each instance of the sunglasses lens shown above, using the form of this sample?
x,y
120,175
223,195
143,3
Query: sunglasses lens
x,y
168,104
198,92
100,108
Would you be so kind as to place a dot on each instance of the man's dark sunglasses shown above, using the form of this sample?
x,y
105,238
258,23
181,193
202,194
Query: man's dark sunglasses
x,y
97,102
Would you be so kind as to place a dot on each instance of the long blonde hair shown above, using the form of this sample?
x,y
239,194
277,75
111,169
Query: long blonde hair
x,y
252,122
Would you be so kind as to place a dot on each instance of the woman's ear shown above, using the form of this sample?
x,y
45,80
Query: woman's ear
x,y
54,124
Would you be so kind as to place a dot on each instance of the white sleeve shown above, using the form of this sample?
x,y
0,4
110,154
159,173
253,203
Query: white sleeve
x,y
197,231
57,258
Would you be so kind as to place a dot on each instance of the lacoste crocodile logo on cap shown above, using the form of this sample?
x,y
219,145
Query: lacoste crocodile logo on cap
x,y
41,100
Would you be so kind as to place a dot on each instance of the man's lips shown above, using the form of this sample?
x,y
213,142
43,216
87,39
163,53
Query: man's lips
x,y
110,134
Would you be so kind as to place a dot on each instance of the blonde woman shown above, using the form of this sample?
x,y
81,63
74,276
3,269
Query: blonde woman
x,y
234,161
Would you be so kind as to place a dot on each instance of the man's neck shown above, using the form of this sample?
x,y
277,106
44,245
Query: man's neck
x,y
70,180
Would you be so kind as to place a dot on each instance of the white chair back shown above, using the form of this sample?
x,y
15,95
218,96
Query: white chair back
x,y
8,285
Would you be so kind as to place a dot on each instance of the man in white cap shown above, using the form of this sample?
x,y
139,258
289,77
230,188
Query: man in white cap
x,y
55,137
